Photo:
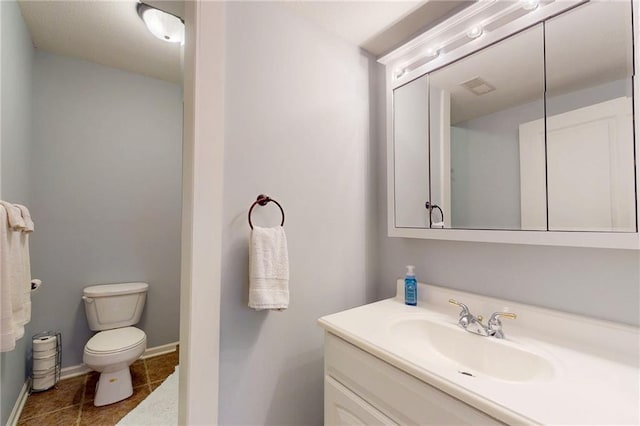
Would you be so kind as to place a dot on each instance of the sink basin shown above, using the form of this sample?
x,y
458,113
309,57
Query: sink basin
x,y
471,354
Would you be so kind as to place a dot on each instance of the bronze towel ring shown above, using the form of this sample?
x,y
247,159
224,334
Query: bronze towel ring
x,y
263,200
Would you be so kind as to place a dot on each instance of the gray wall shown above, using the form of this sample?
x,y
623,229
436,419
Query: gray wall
x,y
297,129
599,283
485,169
16,69
106,175
17,63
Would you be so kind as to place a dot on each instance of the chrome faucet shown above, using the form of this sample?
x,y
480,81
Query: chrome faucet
x,y
474,325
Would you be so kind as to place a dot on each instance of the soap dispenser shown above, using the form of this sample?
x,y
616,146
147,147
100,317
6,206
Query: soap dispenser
x,y
410,287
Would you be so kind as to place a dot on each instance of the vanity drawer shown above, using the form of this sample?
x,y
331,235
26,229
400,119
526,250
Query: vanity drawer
x,y
398,395
343,407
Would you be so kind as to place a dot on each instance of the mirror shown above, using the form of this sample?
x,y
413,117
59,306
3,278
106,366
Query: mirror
x,y
589,126
544,142
411,156
476,110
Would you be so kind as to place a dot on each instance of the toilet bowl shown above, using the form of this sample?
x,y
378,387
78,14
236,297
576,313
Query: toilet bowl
x,y
112,309
111,353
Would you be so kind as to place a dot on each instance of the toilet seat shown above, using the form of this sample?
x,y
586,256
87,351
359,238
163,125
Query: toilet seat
x,y
114,341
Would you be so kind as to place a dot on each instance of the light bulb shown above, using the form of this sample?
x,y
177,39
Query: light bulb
x,y
475,32
163,25
432,52
530,4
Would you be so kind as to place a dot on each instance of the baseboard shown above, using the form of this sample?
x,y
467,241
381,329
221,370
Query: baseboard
x,y
19,405
160,350
79,370
73,371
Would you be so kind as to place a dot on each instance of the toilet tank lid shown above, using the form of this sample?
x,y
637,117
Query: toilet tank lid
x,y
115,289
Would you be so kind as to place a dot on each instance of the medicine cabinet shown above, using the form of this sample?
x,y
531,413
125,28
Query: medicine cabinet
x,y
513,122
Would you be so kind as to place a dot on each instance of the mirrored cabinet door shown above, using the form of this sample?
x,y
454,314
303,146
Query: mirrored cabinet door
x,y
411,153
477,106
589,125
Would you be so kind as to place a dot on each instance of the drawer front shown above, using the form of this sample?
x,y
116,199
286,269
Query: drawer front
x,y
398,395
343,407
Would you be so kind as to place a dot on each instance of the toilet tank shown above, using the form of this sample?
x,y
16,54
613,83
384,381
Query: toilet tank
x,y
114,305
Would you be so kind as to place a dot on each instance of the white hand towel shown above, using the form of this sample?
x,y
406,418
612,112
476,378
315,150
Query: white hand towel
x,y
268,269
26,216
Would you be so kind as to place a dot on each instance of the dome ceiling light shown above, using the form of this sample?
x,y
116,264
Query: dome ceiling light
x,y
163,25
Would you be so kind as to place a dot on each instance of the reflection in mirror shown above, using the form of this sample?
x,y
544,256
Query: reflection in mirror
x,y
477,105
411,156
590,154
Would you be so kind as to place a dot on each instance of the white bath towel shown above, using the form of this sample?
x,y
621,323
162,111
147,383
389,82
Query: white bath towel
x,y
26,216
26,261
15,277
268,269
14,215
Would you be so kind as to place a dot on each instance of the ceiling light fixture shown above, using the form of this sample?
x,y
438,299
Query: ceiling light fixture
x,y
530,4
163,25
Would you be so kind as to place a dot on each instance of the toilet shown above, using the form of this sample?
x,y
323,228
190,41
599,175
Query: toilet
x,y
112,310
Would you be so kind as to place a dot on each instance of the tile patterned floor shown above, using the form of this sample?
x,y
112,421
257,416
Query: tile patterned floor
x,y
71,403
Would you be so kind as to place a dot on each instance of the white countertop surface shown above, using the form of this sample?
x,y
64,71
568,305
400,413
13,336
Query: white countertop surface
x,y
596,364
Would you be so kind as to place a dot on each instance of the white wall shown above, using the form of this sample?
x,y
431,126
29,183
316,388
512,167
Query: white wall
x,y
106,178
16,63
203,168
594,282
298,129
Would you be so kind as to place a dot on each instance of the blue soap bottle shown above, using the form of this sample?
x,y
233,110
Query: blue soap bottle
x,y
410,287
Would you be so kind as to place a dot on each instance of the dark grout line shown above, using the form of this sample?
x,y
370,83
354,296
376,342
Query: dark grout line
x,y
48,412
146,372
82,398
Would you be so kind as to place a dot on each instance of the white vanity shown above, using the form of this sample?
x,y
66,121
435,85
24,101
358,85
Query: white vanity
x,y
389,363
510,122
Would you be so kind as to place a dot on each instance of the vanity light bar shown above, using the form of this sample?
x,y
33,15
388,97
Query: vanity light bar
x,y
461,37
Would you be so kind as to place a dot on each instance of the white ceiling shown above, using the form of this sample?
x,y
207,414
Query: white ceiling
x,y
376,26
106,32
111,33
355,21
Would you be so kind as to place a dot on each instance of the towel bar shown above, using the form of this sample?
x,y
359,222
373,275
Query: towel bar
x,y
263,200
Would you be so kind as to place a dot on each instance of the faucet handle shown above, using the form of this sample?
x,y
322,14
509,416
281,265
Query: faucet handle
x,y
494,325
465,309
496,315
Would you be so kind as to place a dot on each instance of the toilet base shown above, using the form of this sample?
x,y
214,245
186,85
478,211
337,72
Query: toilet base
x,y
113,387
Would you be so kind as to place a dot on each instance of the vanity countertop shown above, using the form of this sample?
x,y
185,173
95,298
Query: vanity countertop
x,y
595,365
